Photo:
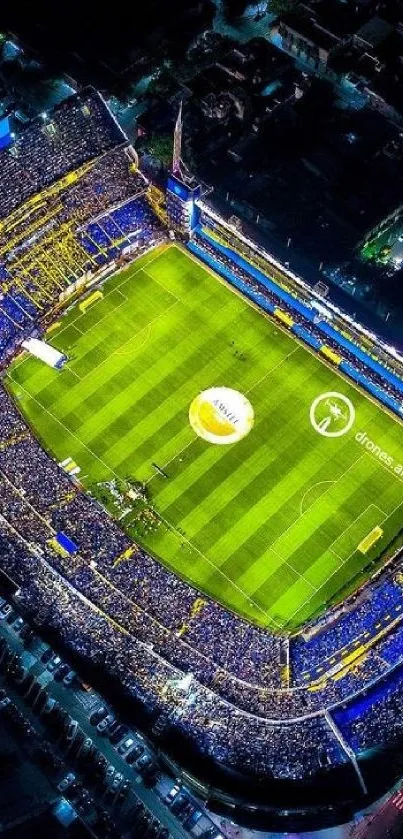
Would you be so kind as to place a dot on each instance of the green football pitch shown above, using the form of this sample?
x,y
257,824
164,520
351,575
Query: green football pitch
x,y
270,525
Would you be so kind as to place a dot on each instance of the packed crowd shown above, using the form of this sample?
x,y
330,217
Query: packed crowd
x,y
262,263
374,718
202,245
110,601
47,246
80,129
369,610
238,662
116,231
242,741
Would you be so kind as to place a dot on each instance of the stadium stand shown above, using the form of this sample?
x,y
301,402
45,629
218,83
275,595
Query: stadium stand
x,y
80,129
72,202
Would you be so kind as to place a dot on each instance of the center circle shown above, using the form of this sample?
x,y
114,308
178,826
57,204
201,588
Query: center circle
x,y
221,415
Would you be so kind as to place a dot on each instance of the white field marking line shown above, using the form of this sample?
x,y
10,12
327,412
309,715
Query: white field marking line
x,y
217,568
320,358
82,314
144,341
322,496
399,504
317,484
59,421
170,526
183,449
81,333
279,363
342,561
352,523
93,373
301,576
121,294
161,285
308,599
108,293
332,551
94,325
272,369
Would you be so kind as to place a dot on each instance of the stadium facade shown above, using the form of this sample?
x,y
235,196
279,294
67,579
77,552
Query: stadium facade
x,y
280,731
383,244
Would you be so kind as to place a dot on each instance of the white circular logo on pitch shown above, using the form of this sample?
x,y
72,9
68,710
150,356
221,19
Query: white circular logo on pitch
x,y
332,414
221,415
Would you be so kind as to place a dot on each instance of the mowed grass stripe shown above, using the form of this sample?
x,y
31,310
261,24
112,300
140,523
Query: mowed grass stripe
x,y
144,358
279,430
167,402
151,368
200,477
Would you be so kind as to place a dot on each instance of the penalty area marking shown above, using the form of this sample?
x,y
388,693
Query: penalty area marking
x,y
342,561
318,483
146,338
118,351
108,293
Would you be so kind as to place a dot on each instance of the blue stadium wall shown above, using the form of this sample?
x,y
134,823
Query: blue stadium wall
x,y
308,314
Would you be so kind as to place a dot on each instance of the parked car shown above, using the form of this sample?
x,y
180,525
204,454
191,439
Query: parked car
x,y
66,782
68,679
18,624
5,611
116,734
143,763
134,753
48,706
179,803
47,655
125,745
87,746
20,674
117,781
61,672
173,792
124,789
53,663
110,773
27,634
98,714
71,730
104,724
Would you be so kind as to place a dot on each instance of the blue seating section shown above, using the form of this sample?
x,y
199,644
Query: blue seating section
x,y
306,336
312,332
358,720
385,599
362,356
378,392
259,276
109,235
220,269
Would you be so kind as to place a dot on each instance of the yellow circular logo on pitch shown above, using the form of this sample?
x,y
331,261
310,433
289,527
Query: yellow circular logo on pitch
x,y
221,415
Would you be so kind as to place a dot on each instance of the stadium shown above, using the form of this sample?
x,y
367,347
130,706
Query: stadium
x,y
201,479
